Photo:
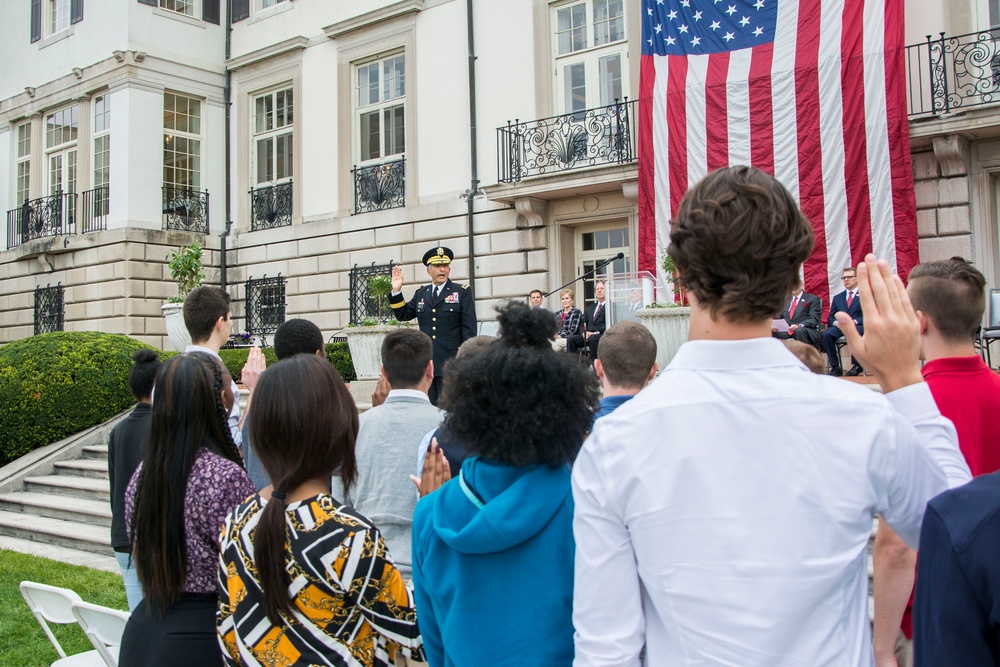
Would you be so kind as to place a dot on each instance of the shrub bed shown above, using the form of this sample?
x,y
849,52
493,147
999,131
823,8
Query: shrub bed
x,y
57,384
337,354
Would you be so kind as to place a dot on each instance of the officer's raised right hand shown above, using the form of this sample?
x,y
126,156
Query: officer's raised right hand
x,y
397,279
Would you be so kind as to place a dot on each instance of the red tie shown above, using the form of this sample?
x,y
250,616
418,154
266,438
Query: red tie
x,y
850,298
795,304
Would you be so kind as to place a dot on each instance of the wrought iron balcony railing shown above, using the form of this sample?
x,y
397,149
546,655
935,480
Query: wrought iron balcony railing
x,y
185,209
379,186
265,305
572,141
49,312
949,74
367,302
271,206
96,204
45,216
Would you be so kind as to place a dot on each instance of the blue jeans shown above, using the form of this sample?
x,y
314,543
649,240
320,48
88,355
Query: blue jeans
x,y
133,589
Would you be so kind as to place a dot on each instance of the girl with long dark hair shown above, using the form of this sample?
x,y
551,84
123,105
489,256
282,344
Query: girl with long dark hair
x,y
305,580
175,504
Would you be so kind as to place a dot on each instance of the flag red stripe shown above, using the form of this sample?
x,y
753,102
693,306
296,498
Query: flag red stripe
x,y
761,113
852,86
809,144
904,207
677,129
716,112
646,252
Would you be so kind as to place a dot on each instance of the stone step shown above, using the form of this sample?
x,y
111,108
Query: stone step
x,y
83,468
61,554
95,512
85,537
96,452
88,488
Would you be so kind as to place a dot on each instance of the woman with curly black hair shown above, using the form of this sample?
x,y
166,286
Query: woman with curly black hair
x,y
493,550
175,505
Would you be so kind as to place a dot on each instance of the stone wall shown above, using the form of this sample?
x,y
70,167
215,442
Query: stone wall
x,y
942,189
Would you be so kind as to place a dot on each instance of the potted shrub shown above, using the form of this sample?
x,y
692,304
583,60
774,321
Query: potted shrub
x,y
187,270
365,336
668,322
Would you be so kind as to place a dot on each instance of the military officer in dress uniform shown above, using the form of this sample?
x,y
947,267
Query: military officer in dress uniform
x,y
444,310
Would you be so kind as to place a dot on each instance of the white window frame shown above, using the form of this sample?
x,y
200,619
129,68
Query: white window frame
x,y
387,100
261,5
22,170
62,148
591,54
171,136
186,7
285,131
57,16
586,260
101,171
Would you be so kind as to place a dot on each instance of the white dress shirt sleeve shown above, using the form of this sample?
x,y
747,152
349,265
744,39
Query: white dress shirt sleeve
x,y
924,462
607,603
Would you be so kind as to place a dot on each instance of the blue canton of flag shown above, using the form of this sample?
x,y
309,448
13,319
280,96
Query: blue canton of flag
x,y
698,27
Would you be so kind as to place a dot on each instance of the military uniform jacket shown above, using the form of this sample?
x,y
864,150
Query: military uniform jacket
x,y
449,319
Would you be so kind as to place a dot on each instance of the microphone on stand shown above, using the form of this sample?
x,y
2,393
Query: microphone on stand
x,y
610,260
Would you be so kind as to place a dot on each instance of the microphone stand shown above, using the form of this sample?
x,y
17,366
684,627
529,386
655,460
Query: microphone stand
x,y
588,273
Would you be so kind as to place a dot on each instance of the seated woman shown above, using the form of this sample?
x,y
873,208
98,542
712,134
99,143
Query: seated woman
x,y
570,323
175,504
493,550
305,580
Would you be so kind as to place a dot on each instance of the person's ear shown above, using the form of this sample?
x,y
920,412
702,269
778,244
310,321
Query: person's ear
x,y
429,371
599,368
652,372
924,322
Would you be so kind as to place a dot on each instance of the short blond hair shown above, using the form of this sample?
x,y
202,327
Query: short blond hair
x,y
564,292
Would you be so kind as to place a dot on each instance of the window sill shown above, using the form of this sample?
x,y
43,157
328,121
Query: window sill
x,y
56,37
261,14
177,16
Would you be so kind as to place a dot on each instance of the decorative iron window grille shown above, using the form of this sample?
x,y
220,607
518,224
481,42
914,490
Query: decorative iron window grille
x,y
96,204
365,305
577,140
185,209
48,309
45,216
948,74
265,305
271,206
379,186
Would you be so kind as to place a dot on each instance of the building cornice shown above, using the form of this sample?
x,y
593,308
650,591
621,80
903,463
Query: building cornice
x,y
289,45
374,17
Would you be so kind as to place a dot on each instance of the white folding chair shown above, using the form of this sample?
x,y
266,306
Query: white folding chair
x,y
50,604
104,628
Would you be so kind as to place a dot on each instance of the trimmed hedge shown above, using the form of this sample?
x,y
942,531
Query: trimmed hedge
x,y
57,384
337,354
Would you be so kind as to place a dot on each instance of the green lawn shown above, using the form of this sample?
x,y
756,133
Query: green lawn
x,y
22,641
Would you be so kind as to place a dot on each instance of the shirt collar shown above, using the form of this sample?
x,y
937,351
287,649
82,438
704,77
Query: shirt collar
x,y
722,355
201,348
954,364
407,393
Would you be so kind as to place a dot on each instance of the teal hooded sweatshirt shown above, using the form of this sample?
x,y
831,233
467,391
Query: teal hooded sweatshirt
x,y
493,567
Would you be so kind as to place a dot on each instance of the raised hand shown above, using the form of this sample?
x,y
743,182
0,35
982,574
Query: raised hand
x,y
397,279
435,472
255,365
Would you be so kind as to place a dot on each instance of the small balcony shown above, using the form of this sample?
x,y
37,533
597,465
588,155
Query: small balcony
x,y
379,186
578,140
185,209
37,218
271,206
951,74
96,204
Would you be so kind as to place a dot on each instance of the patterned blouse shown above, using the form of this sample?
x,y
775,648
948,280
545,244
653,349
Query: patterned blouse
x,y
570,322
351,604
215,486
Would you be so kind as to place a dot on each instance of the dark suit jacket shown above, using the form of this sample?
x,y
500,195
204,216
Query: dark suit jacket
x,y
598,323
839,304
807,313
449,320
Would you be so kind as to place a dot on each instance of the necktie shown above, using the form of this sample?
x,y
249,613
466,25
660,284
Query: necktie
x,y
437,291
597,311
795,304
850,298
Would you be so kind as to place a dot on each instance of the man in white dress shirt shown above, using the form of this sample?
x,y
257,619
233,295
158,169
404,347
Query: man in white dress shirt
x,y
716,521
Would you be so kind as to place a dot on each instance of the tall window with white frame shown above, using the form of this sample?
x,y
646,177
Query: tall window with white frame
x,y
379,178
590,54
184,206
273,130
61,130
23,174
96,201
185,7
58,15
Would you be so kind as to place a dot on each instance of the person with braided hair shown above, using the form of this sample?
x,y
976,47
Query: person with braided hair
x,y
304,579
175,504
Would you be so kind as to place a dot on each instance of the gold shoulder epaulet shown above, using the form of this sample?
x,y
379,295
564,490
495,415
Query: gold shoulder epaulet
x,y
465,285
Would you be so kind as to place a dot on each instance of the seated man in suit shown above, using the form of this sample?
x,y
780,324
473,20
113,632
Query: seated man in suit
x,y
803,313
594,320
845,302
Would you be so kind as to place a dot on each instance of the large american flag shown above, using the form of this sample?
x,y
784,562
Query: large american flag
x,y
812,91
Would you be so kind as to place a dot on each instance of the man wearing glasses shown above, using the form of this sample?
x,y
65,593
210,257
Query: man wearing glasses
x,y
845,302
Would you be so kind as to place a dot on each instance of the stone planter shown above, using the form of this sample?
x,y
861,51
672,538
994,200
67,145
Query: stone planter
x,y
669,327
366,349
177,332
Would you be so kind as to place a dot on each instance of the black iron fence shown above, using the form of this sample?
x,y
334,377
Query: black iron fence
x,y
45,216
605,135
185,209
265,305
96,203
49,311
369,293
949,74
379,186
271,206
